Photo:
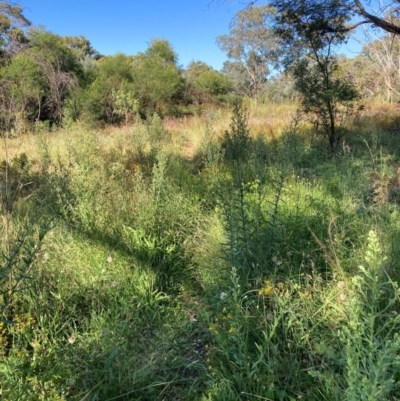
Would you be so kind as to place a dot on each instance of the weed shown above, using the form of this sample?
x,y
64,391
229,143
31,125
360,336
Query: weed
x,y
193,264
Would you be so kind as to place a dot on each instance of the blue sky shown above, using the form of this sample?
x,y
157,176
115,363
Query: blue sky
x,y
191,26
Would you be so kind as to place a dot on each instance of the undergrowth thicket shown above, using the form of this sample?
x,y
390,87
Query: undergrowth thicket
x,y
257,268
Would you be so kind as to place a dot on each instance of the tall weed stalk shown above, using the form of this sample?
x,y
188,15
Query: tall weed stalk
x,y
371,338
250,219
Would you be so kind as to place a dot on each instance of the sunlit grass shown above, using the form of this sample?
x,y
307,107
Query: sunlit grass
x,y
187,263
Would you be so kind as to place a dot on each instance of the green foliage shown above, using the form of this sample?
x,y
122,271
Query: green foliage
x,y
328,97
125,104
81,47
251,41
53,48
43,80
161,48
371,339
35,84
24,226
23,243
24,87
158,80
214,83
153,78
307,28
12,24
248,268
60,69
236,72
248,213
309,34
382,16
112,73
232,274
280,89
364,75
204,84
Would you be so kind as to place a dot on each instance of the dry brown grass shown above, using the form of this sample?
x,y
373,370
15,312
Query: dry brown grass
x,y
187,132
381,116
13,147
264,119
270,118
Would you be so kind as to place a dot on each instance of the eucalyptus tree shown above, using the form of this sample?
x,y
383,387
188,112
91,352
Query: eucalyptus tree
x,y
365,75
252,43
365,12
384,57
12,29
237,73
381,50
378,14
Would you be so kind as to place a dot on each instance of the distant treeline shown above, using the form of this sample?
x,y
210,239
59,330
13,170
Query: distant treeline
x,y
47,79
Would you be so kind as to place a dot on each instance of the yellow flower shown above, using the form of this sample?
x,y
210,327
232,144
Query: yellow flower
x,y
305,295
267,289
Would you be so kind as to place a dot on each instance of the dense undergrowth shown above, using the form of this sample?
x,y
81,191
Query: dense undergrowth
x,y
255,268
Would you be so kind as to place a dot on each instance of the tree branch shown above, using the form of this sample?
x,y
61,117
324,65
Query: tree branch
x,y
373,19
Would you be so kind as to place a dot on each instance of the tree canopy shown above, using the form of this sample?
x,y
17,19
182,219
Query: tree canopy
x,y
366,12
12,25
203,83
81,47
161,48
45,76
252,42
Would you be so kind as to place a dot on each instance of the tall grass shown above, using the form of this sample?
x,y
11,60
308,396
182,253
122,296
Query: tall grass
x,y
212,258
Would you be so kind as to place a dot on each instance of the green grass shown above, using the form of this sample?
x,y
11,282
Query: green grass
x,y
254,267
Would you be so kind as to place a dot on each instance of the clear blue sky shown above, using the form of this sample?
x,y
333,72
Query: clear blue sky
x,y
191,26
